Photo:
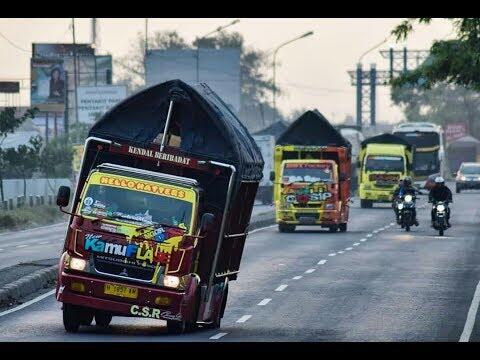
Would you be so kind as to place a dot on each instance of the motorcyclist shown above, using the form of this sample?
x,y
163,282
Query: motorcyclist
x,y
408,188
440,192
395,197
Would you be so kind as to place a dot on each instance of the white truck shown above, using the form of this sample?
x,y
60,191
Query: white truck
x,y
266,143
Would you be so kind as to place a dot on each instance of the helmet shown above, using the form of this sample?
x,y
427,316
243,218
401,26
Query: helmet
x,y
407,181
439,180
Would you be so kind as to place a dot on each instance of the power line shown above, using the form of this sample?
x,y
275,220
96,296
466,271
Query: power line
x,y
13,44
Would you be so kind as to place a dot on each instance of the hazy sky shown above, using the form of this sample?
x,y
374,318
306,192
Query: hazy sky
x,y
313,70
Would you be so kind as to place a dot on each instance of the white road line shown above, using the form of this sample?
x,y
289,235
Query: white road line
x,y
1,249
260,229
43,242
281,287
349,248
309,271
472,313
298,277
369,235
332,254
321,262
341,252
362,240
244,318
392,224
264,302
21,246
375,231
356,244
217,336
28,303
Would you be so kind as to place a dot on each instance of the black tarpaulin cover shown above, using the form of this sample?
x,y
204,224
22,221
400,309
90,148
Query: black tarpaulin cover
x,y
312,128
206,126
386,138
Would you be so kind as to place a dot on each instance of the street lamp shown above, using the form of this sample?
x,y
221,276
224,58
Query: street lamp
x,y
274,67
218,29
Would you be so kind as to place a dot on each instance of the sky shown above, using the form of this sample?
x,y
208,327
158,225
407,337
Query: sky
x,y
312,71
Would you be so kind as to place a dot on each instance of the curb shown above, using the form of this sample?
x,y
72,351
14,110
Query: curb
x,y
27,285
41,278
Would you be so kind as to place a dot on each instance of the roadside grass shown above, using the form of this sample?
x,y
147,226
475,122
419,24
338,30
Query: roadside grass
x,y
28,217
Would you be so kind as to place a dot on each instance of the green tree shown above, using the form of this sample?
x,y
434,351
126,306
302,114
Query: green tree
x,y
24,160
454,61
9,122
56,159
78,133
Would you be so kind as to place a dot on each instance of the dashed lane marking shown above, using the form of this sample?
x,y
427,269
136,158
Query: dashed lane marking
x,y
298,277
264,302
349,248
43,242
362,240
281,287
309,271
369,235
341,252
374,231
321,262
332,254
244,318
21,246
218,336
356,244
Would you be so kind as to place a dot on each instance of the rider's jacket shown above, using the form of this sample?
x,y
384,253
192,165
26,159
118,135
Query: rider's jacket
x,y
440,193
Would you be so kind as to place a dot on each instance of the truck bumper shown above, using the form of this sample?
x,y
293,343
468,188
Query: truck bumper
x,y
376,195
312,217
150,302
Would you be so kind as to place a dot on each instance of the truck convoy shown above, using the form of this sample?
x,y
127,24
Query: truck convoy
x,y
266,143
161,210
355,137
312,175
384,159
428,157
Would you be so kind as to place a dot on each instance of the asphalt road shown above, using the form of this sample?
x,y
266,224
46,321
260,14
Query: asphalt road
x,y
374,283
46,242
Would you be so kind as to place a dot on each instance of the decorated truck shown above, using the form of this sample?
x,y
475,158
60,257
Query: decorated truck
x,y
384,160
161,210
312,168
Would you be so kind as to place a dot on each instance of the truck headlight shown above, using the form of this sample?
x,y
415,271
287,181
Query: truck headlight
x,y
77,264
441,208
463,178
329,206
171,281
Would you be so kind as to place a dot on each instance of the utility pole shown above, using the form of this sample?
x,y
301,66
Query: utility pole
x,y
75,70
146,35
94,45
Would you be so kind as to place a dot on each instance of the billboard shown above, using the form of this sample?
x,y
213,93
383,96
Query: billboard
x,y
455,131
48,87
9,87
53,50
219,68
94,101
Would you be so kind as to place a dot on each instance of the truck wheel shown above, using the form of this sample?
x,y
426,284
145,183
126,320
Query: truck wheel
x,y
176,327
87,317
72,317
102,318
343,227
458,190
333,228
284,228
366,204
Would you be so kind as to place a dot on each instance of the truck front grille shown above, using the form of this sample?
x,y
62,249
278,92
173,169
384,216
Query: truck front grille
x,y
116,266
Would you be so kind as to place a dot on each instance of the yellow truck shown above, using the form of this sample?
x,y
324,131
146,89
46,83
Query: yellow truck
x,y
383,160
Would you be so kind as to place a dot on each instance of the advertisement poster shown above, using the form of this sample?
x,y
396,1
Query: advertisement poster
x,y
48,84
94,101
455,131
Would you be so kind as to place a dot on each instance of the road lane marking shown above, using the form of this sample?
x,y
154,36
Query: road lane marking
x,y
341,252
260,229
1,249
369,235
472,313
374,231
349,248
244,318
392,224
264,302
321,262
28,303
356,244
309,271
362,240
298,277
217,336
43,242
21,246
332,254
281,287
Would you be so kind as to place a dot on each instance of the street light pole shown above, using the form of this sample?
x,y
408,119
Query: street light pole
x,y
218,29
275,68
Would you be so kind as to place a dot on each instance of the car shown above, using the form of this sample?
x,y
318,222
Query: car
x,y
430,182
468,176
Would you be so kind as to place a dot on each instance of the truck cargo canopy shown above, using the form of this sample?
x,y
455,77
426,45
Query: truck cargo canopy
x,y
312,129
386,138
203,124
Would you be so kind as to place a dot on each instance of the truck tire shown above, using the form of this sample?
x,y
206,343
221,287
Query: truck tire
x,y
103,318
458,189
72,317
333,228
285,228
343,227
366,204
87,317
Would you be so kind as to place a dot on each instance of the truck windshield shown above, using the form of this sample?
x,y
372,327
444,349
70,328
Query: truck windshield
x,y
384,163
135,207
307,173
426,162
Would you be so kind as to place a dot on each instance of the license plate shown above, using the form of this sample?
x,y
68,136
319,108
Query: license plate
x,y
306,220
121,291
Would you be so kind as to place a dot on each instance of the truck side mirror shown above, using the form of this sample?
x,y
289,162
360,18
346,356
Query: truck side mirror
x,y
63,196
272,175
206,221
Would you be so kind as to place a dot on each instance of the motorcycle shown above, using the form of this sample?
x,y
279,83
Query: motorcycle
x,y
440,216
406,211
